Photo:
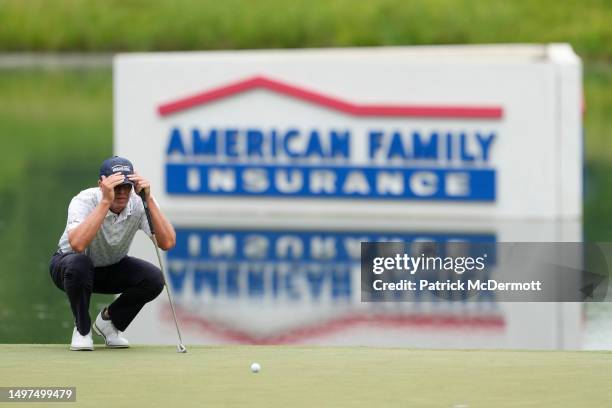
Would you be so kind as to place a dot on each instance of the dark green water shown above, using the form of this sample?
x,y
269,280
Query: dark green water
x,y
32,218
55,129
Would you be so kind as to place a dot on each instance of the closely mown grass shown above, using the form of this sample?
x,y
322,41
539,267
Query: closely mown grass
x,y
114,25
313,377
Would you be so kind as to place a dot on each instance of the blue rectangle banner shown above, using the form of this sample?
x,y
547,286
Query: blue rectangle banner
x,y
442,184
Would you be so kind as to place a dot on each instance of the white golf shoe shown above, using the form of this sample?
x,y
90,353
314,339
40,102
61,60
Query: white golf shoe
x,y
80,342
112,336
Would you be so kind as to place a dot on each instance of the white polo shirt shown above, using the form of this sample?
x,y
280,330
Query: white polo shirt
x,y
113,239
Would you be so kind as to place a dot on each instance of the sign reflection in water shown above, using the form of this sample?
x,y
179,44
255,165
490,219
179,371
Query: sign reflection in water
x,y
302,286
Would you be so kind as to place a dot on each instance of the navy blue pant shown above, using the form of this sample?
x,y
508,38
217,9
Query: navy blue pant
x,y
138,282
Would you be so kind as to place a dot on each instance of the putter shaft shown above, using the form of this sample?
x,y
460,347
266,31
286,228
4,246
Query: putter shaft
x,y
161,265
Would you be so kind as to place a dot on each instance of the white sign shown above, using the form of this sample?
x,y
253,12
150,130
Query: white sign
x,y
453,131
268,162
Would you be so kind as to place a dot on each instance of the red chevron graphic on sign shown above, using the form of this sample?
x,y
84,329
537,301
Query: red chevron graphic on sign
x,y
259,82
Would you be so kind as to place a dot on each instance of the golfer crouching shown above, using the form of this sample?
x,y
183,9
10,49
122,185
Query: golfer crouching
x,y
92,255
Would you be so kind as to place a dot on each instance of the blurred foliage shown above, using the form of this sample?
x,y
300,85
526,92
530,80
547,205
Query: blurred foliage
x,y
140,25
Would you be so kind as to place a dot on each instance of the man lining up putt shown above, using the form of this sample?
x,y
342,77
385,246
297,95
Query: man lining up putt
x,y
92,254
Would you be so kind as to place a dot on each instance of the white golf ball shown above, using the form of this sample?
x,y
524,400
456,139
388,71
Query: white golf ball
x,y
255,367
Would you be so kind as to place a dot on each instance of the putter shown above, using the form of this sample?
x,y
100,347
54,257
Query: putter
x,y
181,347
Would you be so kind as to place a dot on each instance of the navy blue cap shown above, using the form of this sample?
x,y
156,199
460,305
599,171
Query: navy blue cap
x,y
117,164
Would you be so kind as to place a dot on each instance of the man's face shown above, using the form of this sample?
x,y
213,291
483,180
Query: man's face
x,y
122,196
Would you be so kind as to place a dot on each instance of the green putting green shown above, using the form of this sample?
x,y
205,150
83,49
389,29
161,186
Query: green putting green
x,y
313,376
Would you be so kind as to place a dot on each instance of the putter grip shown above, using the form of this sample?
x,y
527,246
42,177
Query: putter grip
x,y
147,211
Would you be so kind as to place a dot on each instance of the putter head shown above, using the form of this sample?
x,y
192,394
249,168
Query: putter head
x,y
181,349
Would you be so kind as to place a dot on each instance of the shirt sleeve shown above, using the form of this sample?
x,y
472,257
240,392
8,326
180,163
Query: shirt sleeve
x,y
80,207
144,225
